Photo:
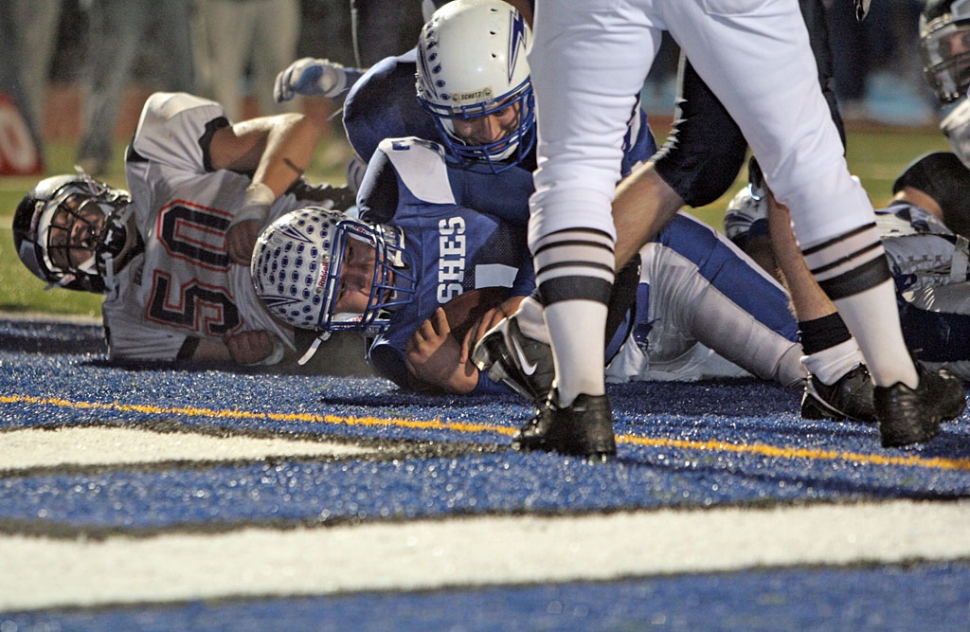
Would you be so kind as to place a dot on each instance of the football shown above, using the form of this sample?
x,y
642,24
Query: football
x,y
465,309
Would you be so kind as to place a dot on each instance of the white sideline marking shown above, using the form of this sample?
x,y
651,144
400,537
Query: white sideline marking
x,y
43,573
23,449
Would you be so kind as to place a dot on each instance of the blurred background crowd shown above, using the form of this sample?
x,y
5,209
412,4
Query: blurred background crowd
x,y
80,70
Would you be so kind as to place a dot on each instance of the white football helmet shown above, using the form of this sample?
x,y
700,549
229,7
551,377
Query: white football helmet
x,y
945,47
746,217
69,230
296,269
472,63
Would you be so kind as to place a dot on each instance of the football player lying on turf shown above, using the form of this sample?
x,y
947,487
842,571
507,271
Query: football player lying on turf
x,y
692,305
381,103
924,231
160,253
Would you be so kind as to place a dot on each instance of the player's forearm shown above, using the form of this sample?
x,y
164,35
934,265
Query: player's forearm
x,y
643,205
290,146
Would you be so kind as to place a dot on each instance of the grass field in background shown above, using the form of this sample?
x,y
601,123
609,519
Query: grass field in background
x,y
876,156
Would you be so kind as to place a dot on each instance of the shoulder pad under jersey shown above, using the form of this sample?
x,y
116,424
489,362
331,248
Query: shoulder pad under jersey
x,y
421,167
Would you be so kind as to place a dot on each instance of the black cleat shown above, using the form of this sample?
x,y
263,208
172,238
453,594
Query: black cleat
x,y
849,398
908,416
584,428
512,358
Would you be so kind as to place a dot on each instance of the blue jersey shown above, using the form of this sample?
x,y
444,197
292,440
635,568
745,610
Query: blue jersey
x,y
383,104
688,268
411,183
454,248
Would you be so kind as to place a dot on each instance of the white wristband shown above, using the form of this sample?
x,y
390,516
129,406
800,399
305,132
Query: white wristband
x,y
256,203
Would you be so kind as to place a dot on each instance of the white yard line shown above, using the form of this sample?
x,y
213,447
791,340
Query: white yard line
x,y
38,572
32,448
45,317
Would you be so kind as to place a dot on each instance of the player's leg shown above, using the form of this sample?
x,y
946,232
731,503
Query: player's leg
x,y
698,162
704,289
580,66
115,37
274,48
173,32
776,100
839,385
228,30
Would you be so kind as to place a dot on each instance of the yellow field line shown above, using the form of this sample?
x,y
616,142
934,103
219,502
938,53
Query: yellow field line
x,y
786,452
783,452
435,424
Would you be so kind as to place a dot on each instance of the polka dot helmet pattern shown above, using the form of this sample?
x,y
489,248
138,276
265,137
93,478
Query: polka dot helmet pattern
x,y
296,270
291,262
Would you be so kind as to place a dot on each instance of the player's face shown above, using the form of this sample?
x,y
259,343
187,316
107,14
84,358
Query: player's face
x,y
74,232
356,277
483,130
955,43
952,47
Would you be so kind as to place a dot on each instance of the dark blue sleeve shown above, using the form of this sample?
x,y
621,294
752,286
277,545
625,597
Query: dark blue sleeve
x,y
388,362
379,196
639,144
935,336
383,104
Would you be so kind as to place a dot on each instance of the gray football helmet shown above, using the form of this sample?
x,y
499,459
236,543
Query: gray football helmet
x,y
944,47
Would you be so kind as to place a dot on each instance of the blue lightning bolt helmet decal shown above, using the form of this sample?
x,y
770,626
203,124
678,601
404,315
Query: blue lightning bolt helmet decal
x,y
516,40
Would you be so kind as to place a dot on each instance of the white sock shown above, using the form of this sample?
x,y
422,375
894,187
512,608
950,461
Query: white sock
x,y
873,318
829,365
578,327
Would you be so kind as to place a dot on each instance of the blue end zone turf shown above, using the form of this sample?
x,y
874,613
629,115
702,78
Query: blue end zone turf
x,y
737,443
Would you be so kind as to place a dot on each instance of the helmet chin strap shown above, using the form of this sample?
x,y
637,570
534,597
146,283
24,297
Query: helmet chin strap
x,y
109,271
324,335
64,281
115,226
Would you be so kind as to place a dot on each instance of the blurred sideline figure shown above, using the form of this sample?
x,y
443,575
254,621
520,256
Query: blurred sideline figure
x,y
120,32
233,36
